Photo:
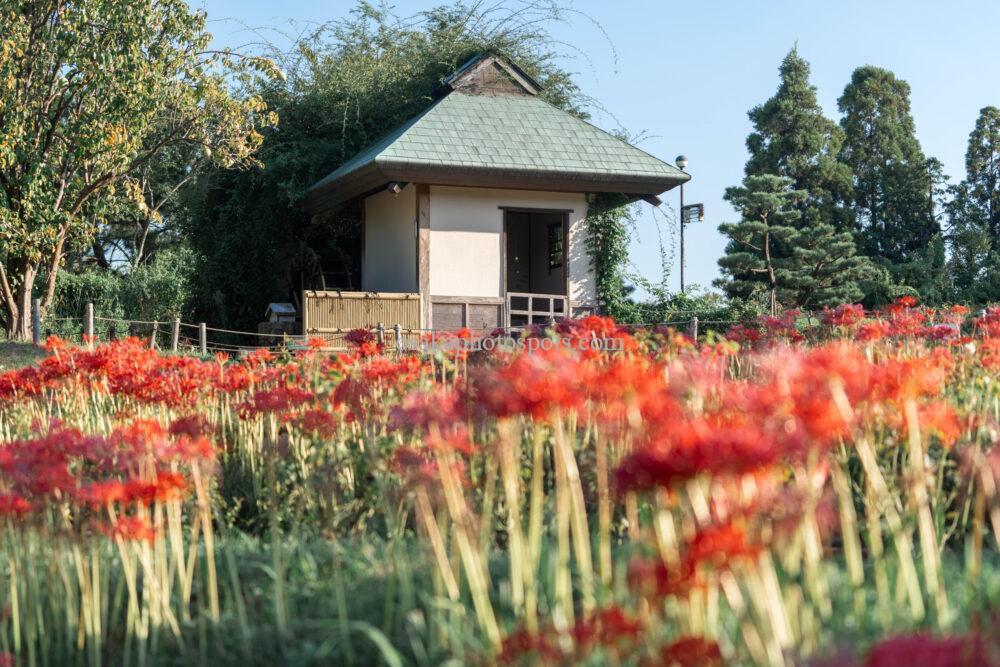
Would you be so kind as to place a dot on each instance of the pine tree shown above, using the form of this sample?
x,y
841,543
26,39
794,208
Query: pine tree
x,y
974,216
769,210
815,259
823,269
895,185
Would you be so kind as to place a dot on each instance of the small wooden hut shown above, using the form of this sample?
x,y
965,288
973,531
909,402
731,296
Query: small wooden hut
x,y
473,211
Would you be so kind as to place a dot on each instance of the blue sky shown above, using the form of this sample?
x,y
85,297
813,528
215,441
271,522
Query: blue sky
x,y
685,74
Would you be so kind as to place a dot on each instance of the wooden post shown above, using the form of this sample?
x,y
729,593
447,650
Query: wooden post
x,y
152,336
175,334
36,321
202,338
88,324
399,338
424,253
693,328
380,334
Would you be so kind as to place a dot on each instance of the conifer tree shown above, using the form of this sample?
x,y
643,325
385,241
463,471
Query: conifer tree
x,y
974,215
815,259
895,185
769,210
793,138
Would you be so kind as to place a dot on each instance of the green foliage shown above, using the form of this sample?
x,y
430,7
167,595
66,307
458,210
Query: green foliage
x,y
714,311
121,83
349,82
769,209
155,291
895,185
974,216
793,138
811,261
608,222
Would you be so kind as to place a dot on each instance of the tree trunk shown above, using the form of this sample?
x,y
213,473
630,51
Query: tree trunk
x,y
19,319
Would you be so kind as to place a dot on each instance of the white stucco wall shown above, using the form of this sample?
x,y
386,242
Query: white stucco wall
x,y
466,240
390,255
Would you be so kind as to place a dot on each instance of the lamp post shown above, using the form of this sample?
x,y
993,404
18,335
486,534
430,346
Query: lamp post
x,y
688,213
681,163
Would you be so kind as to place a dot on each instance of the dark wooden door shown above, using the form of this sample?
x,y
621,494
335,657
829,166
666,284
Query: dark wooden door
x,y
518,251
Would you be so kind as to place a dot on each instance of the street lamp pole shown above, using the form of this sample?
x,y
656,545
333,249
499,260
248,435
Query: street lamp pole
x,y
681,163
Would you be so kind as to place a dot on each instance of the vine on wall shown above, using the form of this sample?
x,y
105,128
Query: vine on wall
x,y
609,218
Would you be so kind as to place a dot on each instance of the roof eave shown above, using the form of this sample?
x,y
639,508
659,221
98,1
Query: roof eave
x,y
374,175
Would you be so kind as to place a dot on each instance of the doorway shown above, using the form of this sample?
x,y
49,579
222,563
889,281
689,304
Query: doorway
x,y
535,252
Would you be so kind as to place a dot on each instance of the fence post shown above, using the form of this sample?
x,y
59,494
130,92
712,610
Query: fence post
x,y
380,334
202,338
693,328
399,338
36,321
175,334
152,336
88,324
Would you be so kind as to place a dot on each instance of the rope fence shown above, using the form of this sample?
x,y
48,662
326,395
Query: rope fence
x,y
177,336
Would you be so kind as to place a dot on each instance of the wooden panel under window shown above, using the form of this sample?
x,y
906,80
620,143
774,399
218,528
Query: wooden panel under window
x,y
484,317
448,316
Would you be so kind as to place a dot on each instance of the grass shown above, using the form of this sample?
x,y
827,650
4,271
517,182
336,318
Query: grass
x,y
17,355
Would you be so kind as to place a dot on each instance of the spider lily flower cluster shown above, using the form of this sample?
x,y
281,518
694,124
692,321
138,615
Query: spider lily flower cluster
x,y
749,498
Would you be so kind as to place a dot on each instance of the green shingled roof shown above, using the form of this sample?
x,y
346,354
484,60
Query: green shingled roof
x,y
500,140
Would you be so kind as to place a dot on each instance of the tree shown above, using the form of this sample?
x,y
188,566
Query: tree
x,y
769,210
895,185
792,138
348,83
974,215
91,94
815,259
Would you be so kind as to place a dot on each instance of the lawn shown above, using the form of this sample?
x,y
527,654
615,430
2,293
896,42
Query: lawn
x,y
16,355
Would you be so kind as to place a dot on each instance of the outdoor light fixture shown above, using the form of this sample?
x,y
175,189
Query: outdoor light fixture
x,y
687,213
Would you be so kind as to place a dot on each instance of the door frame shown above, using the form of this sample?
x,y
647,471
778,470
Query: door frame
x,y
565,213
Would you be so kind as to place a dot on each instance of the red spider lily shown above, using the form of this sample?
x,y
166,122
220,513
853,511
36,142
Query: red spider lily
x,y
166,487
261,356
846,315
928,651
418,468
389,371
740,333
717,546
358,337
989,353
691,652
940,332
989,323
535,384
905,302
442,408
610,628
13,505
524,647
653,579
316,343
317,421
873,331
275,400
355,395
193,426
939,419
131,528
100,494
